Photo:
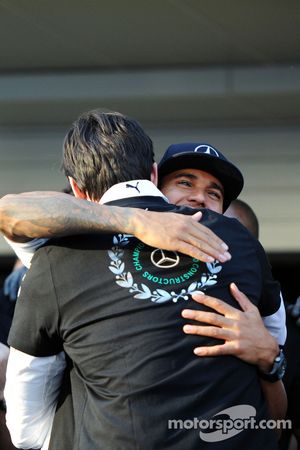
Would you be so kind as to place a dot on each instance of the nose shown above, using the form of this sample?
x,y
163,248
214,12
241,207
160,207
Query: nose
x,y
197,199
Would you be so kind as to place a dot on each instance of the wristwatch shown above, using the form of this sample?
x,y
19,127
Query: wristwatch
x,y
277,371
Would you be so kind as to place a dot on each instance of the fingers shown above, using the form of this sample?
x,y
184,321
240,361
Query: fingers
x,y
194,251
241,298
206,317
213,332
209,242
12,283
186,235
197,216
216,350
216,304
202,238
224,308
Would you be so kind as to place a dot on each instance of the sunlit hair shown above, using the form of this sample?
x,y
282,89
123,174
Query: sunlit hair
x,y
102,149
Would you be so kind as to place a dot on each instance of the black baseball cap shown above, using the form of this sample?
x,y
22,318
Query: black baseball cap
x,y
204,157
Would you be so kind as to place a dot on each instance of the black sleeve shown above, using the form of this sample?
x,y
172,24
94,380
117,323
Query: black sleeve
x,y
271,292
35,326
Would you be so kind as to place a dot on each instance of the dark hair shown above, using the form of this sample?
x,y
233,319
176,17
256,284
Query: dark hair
x,y
102,149
248,218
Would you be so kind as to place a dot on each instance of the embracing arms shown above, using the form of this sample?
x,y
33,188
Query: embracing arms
x,y
47,214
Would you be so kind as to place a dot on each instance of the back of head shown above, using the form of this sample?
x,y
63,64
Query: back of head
x,y
102,149
241,211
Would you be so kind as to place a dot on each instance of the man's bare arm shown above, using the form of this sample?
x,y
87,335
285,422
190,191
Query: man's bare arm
x,y
47,214
276,399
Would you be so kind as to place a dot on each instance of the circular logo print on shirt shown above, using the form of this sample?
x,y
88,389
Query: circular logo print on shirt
x,y
164,259
125,279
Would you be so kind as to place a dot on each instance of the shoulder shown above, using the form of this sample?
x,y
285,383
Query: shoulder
x,y
77,242
72,255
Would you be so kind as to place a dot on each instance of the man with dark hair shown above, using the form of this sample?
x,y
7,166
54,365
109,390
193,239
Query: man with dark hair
x,y
113,305
95,172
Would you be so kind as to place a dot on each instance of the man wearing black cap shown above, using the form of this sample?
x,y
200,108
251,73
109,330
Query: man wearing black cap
x,y
200,176
203,162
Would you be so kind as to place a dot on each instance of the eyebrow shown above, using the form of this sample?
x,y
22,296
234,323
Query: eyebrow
x,y
191,176
217,186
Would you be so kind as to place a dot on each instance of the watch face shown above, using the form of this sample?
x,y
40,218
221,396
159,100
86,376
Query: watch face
x,y
282,366
278,370
279,366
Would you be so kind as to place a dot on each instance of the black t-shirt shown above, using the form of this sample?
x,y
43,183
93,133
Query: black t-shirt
x,y
113,305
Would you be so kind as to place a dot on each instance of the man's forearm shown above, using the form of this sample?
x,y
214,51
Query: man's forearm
x,y
50,214
276,400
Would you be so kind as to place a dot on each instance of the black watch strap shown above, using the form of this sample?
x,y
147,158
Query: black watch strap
x,y
277,371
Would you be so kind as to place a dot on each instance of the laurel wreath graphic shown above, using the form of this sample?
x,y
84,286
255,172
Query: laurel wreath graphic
x,y
141,291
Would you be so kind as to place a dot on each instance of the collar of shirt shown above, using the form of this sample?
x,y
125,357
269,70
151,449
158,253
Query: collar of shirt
x,y
129,189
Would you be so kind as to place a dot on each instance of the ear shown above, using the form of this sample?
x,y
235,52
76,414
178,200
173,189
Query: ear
x,y
76,191
154,174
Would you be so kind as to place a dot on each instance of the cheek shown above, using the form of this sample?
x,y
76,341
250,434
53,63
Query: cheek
x,y
173,194
215,206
